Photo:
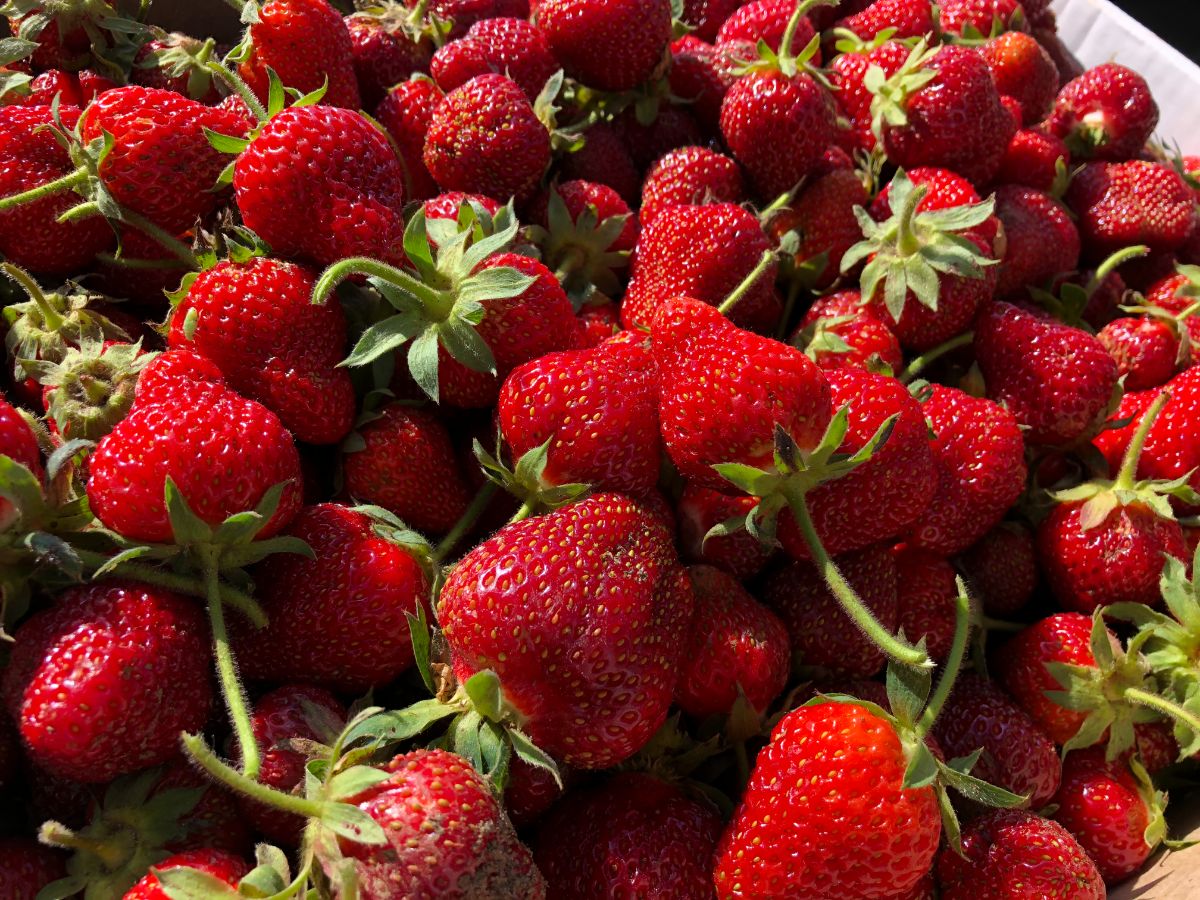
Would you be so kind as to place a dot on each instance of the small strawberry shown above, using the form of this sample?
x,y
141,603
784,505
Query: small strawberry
x,y
699,76
611,46
690,176
1033,159
18,443
848,72
223,867
1023,70
67,682
1042,241
822,217
405,113
1001,568
387,47
179,63
1106,113
926,592
26,867
512,47
909,18
632,835
839,331
701,508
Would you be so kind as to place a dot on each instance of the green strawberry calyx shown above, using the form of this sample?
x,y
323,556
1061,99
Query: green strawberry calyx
x,y
784,60
527,479
182,56
1071,301
889,104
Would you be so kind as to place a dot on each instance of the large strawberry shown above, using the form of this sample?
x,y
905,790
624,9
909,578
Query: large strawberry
x,y
67,683
1128,203
610,46
1106,113
590,682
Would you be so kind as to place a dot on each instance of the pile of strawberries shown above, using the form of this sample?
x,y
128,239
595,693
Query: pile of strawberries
x,y
582,449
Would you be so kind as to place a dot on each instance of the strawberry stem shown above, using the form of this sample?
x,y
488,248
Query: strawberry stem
x,y
1117,259
846,596
1133,453
465,522
1162,705
436,304
57,186
919,363
748,282
524,512
958,650
238,84
195,747
907,240
50,316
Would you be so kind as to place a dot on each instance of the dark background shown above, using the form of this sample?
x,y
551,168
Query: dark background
x,y
1176,21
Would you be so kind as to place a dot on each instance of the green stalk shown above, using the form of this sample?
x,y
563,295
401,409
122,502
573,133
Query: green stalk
x,y
364,265
919,363
1117,259
523,513
57,186
466,522
238,84
1133,453
958,650
49,314
163,238
1162,705
195,747
846,596
748,282
907,242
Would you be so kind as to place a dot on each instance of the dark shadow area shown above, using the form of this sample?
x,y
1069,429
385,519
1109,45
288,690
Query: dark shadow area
x,y
1176,21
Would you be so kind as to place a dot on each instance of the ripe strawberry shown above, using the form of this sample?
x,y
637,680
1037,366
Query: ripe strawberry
x,y
1113,811
323,184
1021,69
672,127
1156,745
767,21
225,867
737,647
170,370
512,47
257,322
925,598
611,46
1015,854
1106,113
587,716
1146,349
714,407
981,17
600,322
405,113
449,204
385,49
699,509
847,73
838,331
1016,755
1056,380
707,16
462,14
605,159
327,615
632,835
26,867
857,825
18,443
978,454
1176,293
910,18
598,408
699,76
823,638
307,44
690,176
214,822
176,62
485,138
822,216
30,235
1032,159
68,686
1136,202
703,252
292,712
1042,239
1001,568
446,835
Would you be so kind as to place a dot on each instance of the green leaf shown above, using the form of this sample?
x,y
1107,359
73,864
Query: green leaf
x,y
14,48
498,283
465,739
907,691
20,486
352,823
192,884
486,697
422,641
746,478
128,555
527,751
463,342
187,528
276,98
416,245
354,781
224,143
922,768
63,888
400,725
262,882
1092,730
494,748
384,337
64,454
423,362
979,790
532,465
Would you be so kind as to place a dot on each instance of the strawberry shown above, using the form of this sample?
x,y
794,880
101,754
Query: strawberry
x,y
449,204
839,331
610,46
224,867
823,219
1023,70
485,138
767,21
690,176
405,113
632,835
1001,568
1016,755
1056,380
1016,854
941,108
968,18
847,73
605,159
325,613
1041,238
978,454
462,14
170,370
703,252
531,791
600,322
909,18
68,687
672,127
289,713
824,638
597,408
1175,294
321,183
1136,202
699,509
925,598
1032,159
386,49
307,43
1147,349
446,836
1156,745
699,76
223,452
68,35
31,235
512,47
1106,113
1113,811
176,62
256,321
18,443
586,715
26,867
737,648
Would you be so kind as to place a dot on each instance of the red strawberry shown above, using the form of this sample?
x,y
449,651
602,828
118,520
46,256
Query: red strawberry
x,y
838,331
1042,241
68,686
26,867
462,14
633,835
673,127
531,791
322,183
447,836
214,822
176,62
1156,745
1106,113
822,217
1146,349
292,712
910,18
847,73
706,17
1016,755
485,138
598,408
18,443
611,46
1176,293
222,451
1001,568
307,44
405,112
981,17
1021,69
511,47
600,322
703,252
449,204
1016,855
224,867
1136,202
851,828
386,50
699,509
925,598
591,682
257,322
1032,159
1056,380
30,235
766,20
978,454
1113,811
605,159
690,176
169,370
699,76
737,647
823,637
